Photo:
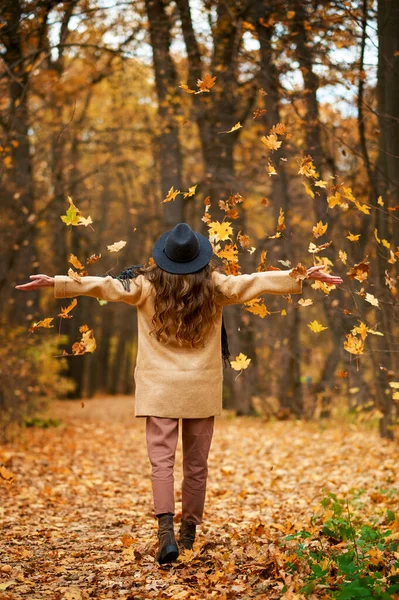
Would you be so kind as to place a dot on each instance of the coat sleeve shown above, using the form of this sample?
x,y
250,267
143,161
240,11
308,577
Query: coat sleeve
x,y
106,288
237,289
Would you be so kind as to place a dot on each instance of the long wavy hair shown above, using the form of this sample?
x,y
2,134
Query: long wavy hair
x,y
184,304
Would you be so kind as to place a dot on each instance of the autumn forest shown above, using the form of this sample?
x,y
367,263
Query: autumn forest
x,y
270,127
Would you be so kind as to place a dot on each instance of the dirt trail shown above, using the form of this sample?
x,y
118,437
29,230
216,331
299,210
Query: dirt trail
x,y
77,521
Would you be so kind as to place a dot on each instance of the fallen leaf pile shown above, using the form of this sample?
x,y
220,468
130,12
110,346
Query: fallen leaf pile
x,y
77,515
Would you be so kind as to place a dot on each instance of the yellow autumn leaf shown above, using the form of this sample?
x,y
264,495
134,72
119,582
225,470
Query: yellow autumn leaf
x,y
234,128
343,256
220,231
75,262
84,221
229,253
353,237
372,299
320,183
290,14
316,327
308,189
271,141
334,200
171,195
117,246
319,229
394,385
307,168
380,201
283,313
240,363
353,344
46,323
271,170
185,87
376,236
257,307
305,302
191,191
64,314
73,275
386,244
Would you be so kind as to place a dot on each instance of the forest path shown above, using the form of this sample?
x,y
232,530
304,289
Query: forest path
x,y
77,521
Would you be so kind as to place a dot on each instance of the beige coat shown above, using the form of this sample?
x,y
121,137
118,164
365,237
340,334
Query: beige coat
x,y
172,381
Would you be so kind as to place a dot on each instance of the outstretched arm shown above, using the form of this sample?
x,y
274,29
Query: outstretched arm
x,y
107,288
237,289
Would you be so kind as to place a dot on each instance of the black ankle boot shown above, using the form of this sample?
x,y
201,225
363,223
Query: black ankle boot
x,y
168,550
187,533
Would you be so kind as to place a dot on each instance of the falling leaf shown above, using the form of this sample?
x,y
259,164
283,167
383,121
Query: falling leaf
x,y
307,168
271,142
205,84
234,128
220,231
258,112
305,302
316,249
299,272
320,183
319,229
280,222
342,256
240,363
243,240
117,246
229,253
73,275
191,191
334,200
257,306
171,195
360,271
353,344
86,344
342,374
353,237
46,323
64,314
185,87
372,300
271,170
316,327
93,259
75,262
85,221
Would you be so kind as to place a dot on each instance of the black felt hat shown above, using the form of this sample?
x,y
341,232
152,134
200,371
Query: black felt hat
x,y
182,250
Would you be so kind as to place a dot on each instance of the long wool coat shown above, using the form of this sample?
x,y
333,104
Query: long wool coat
x,y
172,381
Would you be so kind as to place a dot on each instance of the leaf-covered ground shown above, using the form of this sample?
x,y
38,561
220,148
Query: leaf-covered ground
x,y
77,520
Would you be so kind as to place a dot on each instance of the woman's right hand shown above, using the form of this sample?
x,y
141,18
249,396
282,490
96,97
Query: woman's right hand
x,y
39,281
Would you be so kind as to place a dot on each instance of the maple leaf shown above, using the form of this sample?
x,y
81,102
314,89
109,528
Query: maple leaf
x,y
64,311
307,168
299,272
360,271
243,239
320,183
117,246
342,256
205,84
73,216
353,344
271,142
258,112
46,323
234,128
73,275
334,200
319,229
279,129
191,191
271,170
257,306
171,195
84,220
316,327
316,249
86,344
229,253
75,262
280,222
305,302
353,237
93,259
220,231
240,363
342,374
262,264
372,300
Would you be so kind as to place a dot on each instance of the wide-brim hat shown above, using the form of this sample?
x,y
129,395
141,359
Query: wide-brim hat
x,y
182,250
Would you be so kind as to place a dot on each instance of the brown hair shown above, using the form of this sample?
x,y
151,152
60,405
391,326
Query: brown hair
x,y
184,304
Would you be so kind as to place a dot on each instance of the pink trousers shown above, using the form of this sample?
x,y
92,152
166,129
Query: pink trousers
x,y
162,436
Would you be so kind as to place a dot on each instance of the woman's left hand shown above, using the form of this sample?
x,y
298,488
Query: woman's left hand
x,y
318,275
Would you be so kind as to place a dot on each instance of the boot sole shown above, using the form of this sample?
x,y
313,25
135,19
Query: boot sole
x,y
169,554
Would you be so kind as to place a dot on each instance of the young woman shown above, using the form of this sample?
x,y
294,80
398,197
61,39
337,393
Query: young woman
x,y
179,366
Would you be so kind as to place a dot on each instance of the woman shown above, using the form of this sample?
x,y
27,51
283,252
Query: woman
x,y
179,368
